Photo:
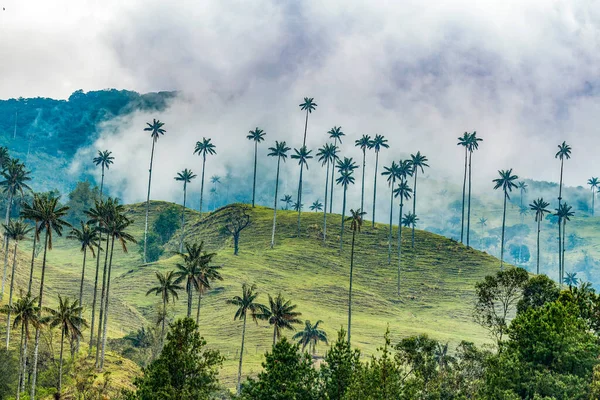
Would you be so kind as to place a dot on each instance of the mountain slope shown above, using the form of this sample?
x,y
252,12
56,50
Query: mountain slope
x,y
437,281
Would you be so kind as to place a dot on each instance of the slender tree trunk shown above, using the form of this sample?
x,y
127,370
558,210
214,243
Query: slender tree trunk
x,y
162,330
274,335
350,291
593,198
343,218
148,202
95,293
300,196
81,292
414,207
6,240
462,219
332,184
22,355
559,252
503,226
202,182
236,244
35,236
10,294
325,203
183,217
199,304
275,204
375,188
560,184
305,128
538,246
102,302
390,233
564,233
362,189
469,202
400,242
60,362
254,182
37,329
102,182
239,377
106,302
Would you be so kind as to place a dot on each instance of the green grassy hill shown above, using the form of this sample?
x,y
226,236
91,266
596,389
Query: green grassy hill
x,y
438,279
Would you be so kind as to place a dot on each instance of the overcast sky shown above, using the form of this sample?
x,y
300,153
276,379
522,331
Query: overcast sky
x,y
524,74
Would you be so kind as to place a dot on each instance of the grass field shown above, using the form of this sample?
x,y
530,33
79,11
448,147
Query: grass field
x,y
436,298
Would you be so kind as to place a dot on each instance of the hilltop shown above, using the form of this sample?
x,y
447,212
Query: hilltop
x,y
437,281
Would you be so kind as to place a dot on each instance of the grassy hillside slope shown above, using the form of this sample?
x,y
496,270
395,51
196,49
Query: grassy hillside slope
x,y
438,278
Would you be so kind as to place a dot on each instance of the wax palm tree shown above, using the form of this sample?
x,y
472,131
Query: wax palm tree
x,y
417,161
204,148
464,141
564,214
482,224
571,280
298,206
186,176
4,157
309,106
564,152
346,169
302,155
522,186
50,216
287,199
327,155
594,183
27,314
316,206
281,314
15,231
188,271
167,289
410,219
206,275
14,180
117,232
336,134
506,182
404,192
88,238
378,143
104,159
280,151
38,199
257,136
473,145
311,335
392,175
539,208
356,220
67,317
245,303
156,130
363,143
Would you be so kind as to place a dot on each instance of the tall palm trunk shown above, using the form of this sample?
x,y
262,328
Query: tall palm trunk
x,y
35,237
391,216
183,217
101,183
325,208
343,218
202,182
414,207
274,335
60,362
106,302
560,184
538,246
6,240
102,302
350,291
81,292
462,218
400,242
275,204
362,189
375,188
300,197
22,355
332,184
10,294
503,226
564,233
198,309
164,318
148,201
189,290
593,199
469,202
239,377
254,182
37,329
95,296
305,128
